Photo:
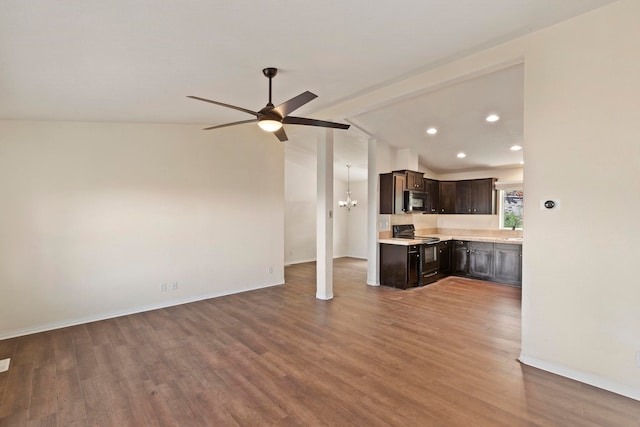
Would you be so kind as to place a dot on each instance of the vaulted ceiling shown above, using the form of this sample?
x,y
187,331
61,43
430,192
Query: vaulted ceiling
x,y
135,61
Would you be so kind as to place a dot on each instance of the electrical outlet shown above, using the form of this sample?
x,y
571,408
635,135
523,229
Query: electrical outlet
x,y
638,359
270,270
163,287
175,286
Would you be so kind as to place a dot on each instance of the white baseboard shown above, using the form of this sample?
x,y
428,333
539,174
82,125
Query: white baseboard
x,y
582,377
298,261
302,261
118,313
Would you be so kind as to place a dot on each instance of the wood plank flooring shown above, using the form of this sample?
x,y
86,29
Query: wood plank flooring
x,y
441,355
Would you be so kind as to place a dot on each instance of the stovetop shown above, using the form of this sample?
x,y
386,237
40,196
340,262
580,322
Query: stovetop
x,y
407,231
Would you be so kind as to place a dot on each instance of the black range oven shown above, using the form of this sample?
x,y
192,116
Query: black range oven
x,y
428,261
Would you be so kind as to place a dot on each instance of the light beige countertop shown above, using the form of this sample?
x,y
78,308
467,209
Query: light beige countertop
x,y
443,237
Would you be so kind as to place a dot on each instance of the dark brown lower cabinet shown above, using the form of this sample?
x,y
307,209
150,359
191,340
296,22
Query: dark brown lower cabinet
x,y
444,253
496,262
481,260
508,264
460,258
399,265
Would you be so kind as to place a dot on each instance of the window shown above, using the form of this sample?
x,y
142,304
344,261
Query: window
x,y
511,209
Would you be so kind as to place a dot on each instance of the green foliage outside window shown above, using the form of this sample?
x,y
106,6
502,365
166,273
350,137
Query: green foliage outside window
x,y
512,209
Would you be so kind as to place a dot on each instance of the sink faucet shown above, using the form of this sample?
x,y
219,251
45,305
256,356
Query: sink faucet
x,y
516,221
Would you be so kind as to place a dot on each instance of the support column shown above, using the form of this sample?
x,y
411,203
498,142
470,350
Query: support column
x,y
324,218
373,201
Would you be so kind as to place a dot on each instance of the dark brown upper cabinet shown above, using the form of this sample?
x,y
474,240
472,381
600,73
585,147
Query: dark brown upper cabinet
x,y
432,188
414,180
471,196
475,196
447,197
392,186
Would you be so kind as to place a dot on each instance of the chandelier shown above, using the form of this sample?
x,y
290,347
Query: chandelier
x,y
349,203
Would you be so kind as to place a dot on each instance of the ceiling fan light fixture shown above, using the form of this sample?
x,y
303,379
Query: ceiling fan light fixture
x,y
269,125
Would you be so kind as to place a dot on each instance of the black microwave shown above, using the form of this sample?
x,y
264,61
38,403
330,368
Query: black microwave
x,y
415,201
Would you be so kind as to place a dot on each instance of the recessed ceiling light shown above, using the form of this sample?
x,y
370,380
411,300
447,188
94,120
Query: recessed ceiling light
x,y
493,118
516,148
461,155
432,131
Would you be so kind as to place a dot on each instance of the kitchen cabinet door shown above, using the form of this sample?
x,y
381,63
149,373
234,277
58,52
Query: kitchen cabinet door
x,y
432,188
464,200
481,260
508,263
392,186
444,252
414,181
461,258
447,196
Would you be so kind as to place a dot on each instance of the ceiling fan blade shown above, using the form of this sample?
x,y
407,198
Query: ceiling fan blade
x,y
231,124
224,105
294,103
312,122
282,136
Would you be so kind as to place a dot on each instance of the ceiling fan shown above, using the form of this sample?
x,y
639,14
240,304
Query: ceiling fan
x,y
272,118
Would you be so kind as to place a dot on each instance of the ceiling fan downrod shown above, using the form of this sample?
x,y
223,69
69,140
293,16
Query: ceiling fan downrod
x,y
270,73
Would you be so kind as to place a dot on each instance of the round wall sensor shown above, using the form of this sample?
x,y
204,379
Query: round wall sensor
x,y
549,204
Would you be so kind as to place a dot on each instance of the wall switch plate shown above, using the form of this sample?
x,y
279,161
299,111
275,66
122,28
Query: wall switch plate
x,y
175,286
638,359
4,365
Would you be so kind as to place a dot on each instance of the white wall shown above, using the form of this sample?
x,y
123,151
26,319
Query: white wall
x,y
357,222
340,220
581,294
349,236
95,217
300,207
